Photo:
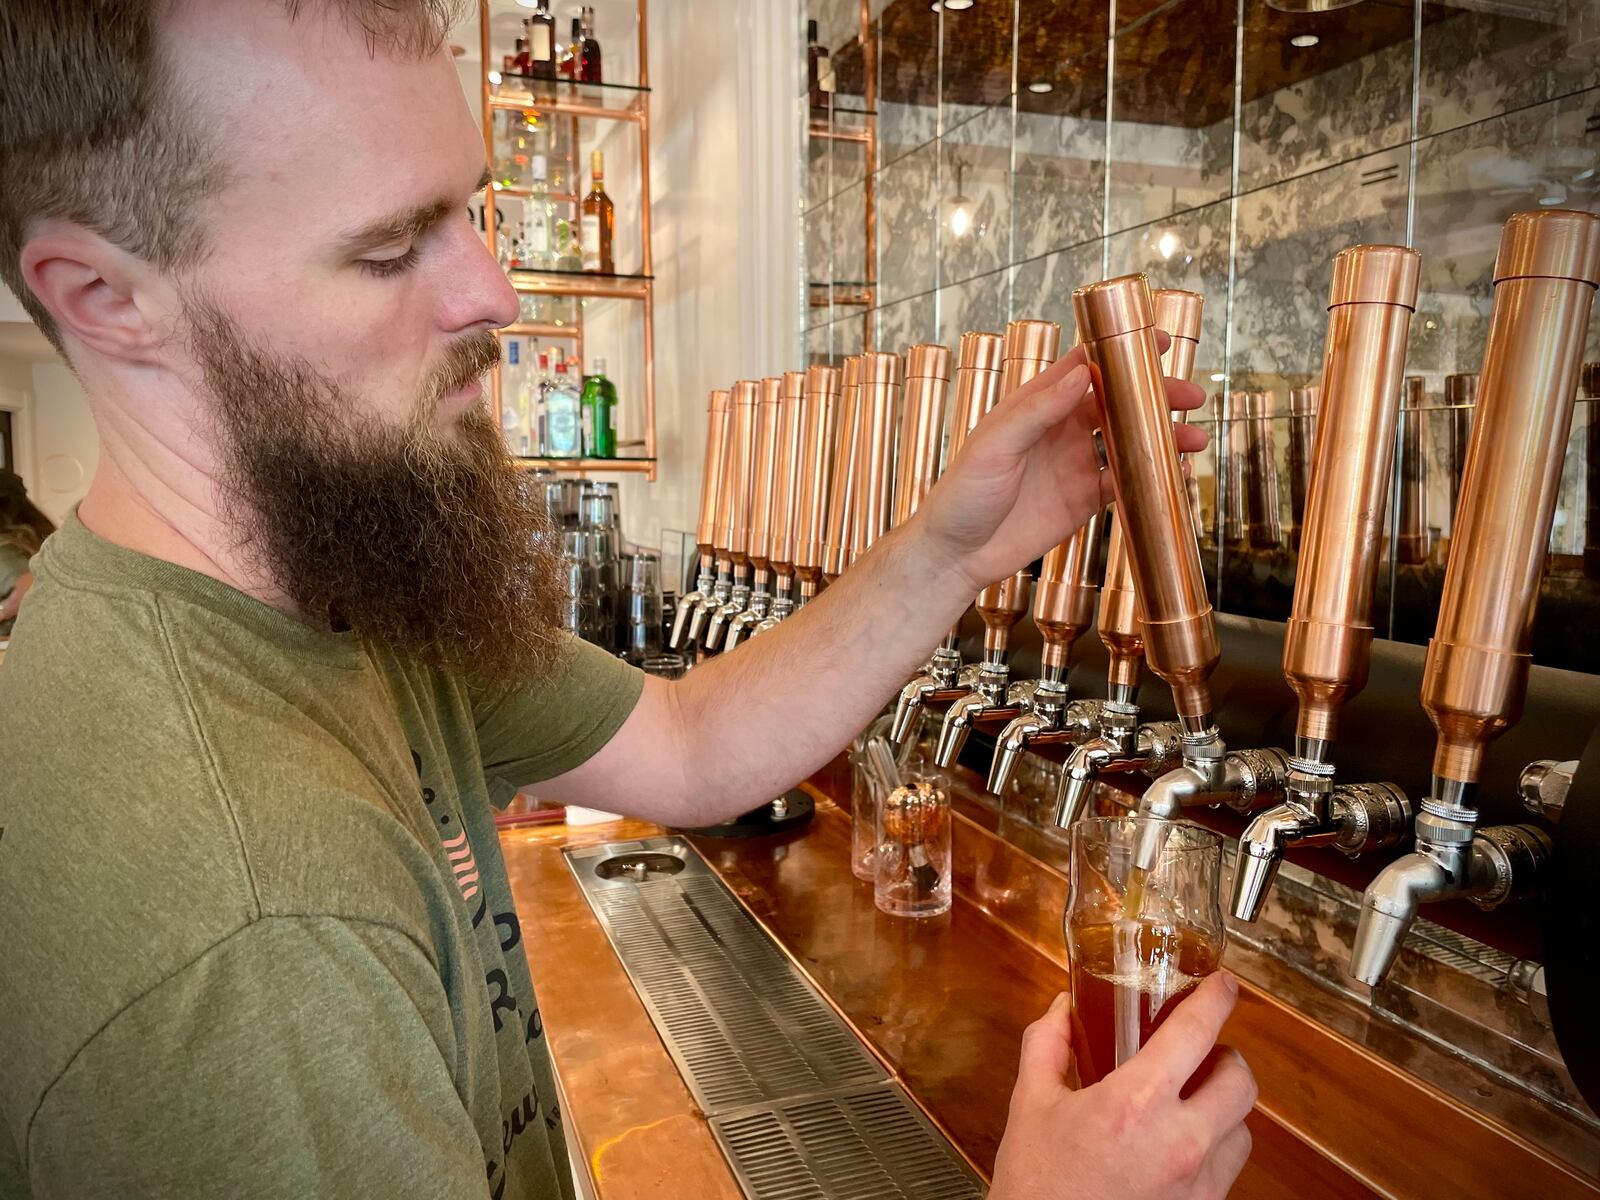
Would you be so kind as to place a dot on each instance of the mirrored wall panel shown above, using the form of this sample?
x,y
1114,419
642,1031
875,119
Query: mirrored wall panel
x,y
972,161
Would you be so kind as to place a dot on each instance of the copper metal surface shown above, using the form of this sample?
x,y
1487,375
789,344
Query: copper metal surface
x,y
878,406
921,428
1030,347
1303,406
637,1128
1120,626
1234,454
1265,522
842,496
739,484
977,385
786,500
717,420
1477,664
818,450
1064,598
1460,395
1118,329
765,477
1329,636
1414,538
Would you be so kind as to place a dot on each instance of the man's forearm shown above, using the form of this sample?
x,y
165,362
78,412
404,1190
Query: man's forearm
x,y
756,721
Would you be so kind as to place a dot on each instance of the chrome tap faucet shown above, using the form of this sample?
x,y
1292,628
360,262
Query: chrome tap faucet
x,y
1328,643
692,609
1475,675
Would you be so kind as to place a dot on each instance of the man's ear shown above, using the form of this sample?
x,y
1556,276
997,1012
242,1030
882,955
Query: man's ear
x,y
100,295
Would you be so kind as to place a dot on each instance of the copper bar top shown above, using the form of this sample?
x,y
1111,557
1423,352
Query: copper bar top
x,y
943,1003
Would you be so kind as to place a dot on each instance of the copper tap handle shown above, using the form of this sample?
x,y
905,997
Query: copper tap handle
x,y
818,450
921,428
1117,321
842,498
1328,643
765,476
977,385
1030,347
1477,666
784,518
1121,627
705,530
879,405
739,483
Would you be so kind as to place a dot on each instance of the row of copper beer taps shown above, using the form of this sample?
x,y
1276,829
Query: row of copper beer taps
x,y
796,493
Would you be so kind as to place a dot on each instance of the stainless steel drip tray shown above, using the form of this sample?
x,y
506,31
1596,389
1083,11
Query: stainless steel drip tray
x,y
798,1104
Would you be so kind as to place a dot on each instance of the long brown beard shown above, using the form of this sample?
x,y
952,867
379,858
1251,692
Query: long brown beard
x,y
426,544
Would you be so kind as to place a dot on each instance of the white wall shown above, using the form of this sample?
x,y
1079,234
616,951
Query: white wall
x,y
725,183
66,448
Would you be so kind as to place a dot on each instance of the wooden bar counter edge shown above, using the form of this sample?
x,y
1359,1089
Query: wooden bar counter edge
x,y
943,1004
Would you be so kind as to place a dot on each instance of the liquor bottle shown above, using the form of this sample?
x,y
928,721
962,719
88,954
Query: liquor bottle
x,y
599,413
588,53
542,53
541,412
562,434
598,222
819,70
570,51
538,218
521,63
513,419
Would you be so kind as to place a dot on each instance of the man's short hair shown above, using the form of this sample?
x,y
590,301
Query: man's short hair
x,y
95,129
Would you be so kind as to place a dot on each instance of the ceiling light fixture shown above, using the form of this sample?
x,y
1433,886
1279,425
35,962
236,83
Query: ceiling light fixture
x,y
958,217
1554,198
1304,41
957,5
1040,86
1217,377
1167,245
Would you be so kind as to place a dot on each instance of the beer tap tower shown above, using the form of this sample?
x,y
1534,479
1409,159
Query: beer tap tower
x,y
1328,643
878,399
921,428
769,424
819,438
1121,744
1030,347
1476,670
842,496
785,518
734,513
693,608
978,369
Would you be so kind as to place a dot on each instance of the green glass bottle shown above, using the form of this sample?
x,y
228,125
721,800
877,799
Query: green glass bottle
x,y
599,413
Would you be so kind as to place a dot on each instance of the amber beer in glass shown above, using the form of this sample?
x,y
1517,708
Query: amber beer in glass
x,y
1138,941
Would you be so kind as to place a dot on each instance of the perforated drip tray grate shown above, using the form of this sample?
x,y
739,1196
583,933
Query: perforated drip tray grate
x,y
798,1104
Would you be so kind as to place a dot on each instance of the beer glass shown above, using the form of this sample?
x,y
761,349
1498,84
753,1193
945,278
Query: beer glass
x,y
1138,941
911,862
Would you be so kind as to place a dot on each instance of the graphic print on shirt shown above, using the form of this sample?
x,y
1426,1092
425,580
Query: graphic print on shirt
x,y
502,999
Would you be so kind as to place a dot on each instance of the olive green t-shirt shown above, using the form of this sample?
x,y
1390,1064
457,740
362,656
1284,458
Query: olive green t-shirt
x,y
256,936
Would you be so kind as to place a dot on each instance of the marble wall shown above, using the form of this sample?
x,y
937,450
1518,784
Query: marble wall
x,y
1217,157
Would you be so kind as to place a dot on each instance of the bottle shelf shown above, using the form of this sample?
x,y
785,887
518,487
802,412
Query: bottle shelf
x,y
593,465
846,293
540,329
564,97
581,283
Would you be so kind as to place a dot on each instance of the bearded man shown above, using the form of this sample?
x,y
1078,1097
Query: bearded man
x,y
296,644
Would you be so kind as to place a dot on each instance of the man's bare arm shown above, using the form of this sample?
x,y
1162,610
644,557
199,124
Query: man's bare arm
x,y
743,727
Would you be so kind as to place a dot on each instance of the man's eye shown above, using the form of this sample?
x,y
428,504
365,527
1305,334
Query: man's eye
x,y
383,267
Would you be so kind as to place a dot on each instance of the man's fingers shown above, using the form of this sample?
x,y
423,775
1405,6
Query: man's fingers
x,y
1227,1160
1224,1092
1181,1044
1181,394
1190,439
1028,414
1047,1052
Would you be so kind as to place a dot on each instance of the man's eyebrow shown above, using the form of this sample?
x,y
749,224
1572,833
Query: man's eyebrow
x,y
403,226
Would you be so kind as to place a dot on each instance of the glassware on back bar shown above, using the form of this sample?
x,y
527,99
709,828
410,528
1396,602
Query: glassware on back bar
x,y
1138,941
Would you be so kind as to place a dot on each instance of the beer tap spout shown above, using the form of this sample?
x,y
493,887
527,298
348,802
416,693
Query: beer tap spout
x,y
1051,720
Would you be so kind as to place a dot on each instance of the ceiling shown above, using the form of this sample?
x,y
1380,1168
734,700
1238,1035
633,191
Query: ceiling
x,y
1175,58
